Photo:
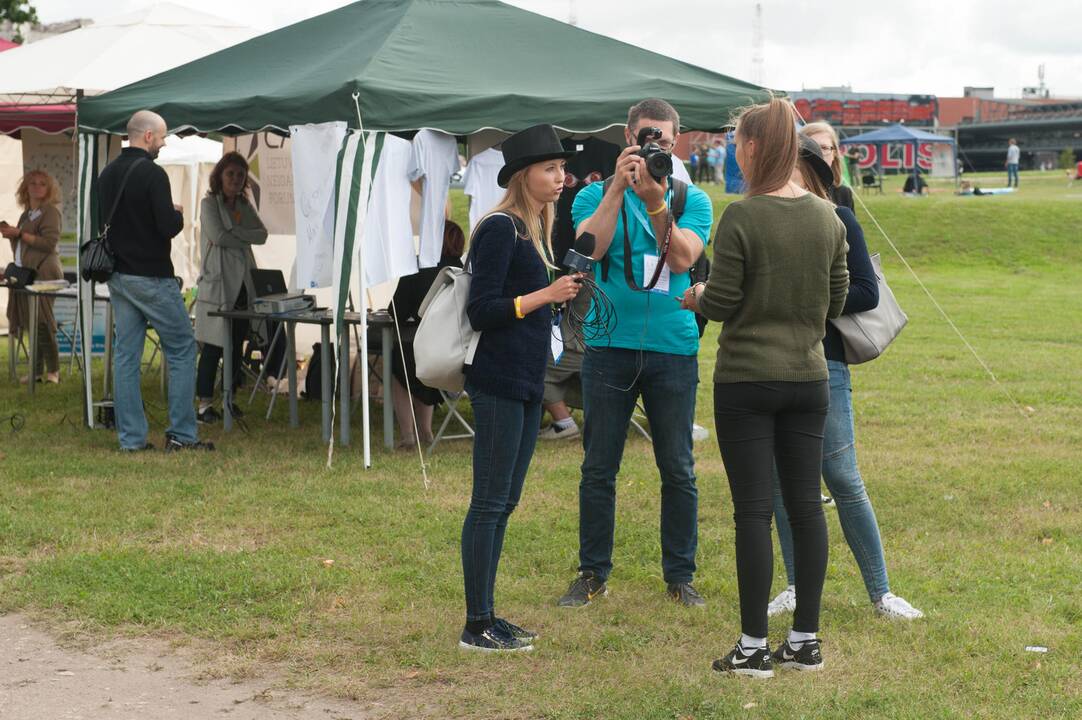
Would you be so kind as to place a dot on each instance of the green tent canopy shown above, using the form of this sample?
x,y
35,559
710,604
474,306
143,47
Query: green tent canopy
x,y
454,65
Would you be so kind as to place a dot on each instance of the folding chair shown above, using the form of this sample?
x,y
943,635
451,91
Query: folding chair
x,y
451,400
871,181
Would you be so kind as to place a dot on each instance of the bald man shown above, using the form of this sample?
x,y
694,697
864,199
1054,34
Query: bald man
x,y
143,288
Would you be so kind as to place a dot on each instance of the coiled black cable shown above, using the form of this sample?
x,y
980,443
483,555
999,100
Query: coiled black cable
x,y
593,321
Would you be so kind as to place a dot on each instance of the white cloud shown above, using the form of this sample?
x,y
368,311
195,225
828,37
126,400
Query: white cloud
x,y
920,46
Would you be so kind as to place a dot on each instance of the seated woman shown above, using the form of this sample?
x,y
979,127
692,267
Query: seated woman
x,y
230,227
34,240
408,297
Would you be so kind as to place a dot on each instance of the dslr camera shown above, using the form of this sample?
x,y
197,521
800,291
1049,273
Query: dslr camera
x,y
658,162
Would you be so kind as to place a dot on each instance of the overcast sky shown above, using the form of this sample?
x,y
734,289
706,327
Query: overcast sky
x,y
917,46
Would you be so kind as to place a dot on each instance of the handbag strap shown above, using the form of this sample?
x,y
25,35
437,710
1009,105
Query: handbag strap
x,y
120,193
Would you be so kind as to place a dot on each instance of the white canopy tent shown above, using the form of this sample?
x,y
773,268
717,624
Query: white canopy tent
x,y
113,52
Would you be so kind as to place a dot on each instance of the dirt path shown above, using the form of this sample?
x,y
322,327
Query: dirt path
x,y
134,680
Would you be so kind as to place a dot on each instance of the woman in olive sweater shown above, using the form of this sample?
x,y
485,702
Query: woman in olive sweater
x,y
512,300
778,273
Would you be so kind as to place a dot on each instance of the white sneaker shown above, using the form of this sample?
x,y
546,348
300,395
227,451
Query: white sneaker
x,y
892,606
698,432
784,602
554,433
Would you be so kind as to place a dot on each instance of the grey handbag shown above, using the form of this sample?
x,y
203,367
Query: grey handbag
x,y
445,342
866,335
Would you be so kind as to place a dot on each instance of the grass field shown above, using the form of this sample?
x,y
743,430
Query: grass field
x,y
979,505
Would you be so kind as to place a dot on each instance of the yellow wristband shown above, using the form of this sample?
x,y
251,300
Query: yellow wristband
x,y
663,208
518,307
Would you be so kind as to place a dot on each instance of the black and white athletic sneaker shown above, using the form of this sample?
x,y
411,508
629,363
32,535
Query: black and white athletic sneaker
x,y
807,657
491,640
583,589
516,631
175,444
208,416
757,664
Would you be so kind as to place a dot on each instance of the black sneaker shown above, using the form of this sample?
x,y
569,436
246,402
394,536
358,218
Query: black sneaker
x,y
584,589
757,665
686,595
516,631
208,416
807,657
173,443
492,639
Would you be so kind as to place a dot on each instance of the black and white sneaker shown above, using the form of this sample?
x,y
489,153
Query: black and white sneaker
x,y
757,664
173,444
516,631
208,416
583,590
806,657
492,639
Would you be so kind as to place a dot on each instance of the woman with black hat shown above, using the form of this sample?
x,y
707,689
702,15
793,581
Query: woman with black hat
x,y
840,473
513,301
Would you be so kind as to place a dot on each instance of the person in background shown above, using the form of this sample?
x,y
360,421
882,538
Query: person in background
x,y
34,239
778,273
823,135
1013,156
714,159
840,472
512,302
408,296
719,164
144,290
230,227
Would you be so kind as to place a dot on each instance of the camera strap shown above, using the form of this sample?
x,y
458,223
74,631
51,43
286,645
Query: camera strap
x,y
677,201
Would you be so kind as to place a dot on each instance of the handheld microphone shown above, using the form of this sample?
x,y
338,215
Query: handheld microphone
x,y
578,258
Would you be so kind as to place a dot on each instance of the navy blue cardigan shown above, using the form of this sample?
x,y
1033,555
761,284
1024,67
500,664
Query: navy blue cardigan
x,y
863,287
512,354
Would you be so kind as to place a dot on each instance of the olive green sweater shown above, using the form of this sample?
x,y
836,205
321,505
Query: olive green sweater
x,y
778,273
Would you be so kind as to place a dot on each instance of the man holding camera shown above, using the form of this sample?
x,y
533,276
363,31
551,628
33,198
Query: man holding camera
x,y
644,254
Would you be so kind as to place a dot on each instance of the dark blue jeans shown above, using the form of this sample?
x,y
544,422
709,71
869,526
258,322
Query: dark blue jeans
x,y
612,381
505,435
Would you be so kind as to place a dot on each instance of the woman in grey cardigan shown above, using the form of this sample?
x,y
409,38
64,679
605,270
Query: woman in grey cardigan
x,y
230,227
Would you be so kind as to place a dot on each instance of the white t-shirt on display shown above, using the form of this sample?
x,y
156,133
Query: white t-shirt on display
x,y
481,185
434,157
387,242
680,170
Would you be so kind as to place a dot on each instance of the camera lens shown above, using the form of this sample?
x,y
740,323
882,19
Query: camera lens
x,y
659,164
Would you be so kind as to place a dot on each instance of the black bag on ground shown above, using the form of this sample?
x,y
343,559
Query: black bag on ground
x,y
96,258
313,379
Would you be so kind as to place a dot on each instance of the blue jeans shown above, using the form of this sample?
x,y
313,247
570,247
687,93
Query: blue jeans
x,y
612,380
1012,174
843,479
503,444
136,301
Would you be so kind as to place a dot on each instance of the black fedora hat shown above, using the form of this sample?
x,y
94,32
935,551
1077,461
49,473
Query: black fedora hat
x,y
529,146
810,150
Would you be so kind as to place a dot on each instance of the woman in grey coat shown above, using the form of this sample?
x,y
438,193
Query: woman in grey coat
x,y
230,227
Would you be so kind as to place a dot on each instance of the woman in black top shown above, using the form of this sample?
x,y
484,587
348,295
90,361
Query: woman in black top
x,y
408,297
512,296
823,135
840,470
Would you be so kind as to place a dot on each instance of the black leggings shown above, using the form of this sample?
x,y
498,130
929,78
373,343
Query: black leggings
x,y
760,424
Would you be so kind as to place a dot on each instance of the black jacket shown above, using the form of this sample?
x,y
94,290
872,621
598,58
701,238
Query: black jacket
x,y
145,220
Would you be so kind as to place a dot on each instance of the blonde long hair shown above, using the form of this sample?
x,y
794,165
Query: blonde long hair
x,y
516,202
817,128
772,126
22,194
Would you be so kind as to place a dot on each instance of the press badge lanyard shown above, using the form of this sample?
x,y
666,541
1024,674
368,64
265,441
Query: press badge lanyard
x,y
629,275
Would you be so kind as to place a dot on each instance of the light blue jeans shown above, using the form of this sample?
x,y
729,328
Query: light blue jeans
x,y
843,480
137,301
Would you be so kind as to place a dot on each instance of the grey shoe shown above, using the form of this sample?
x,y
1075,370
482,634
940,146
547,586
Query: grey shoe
x,y
686,595
583,589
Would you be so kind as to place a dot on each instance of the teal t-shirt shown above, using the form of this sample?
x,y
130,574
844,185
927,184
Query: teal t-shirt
x,y
649,320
